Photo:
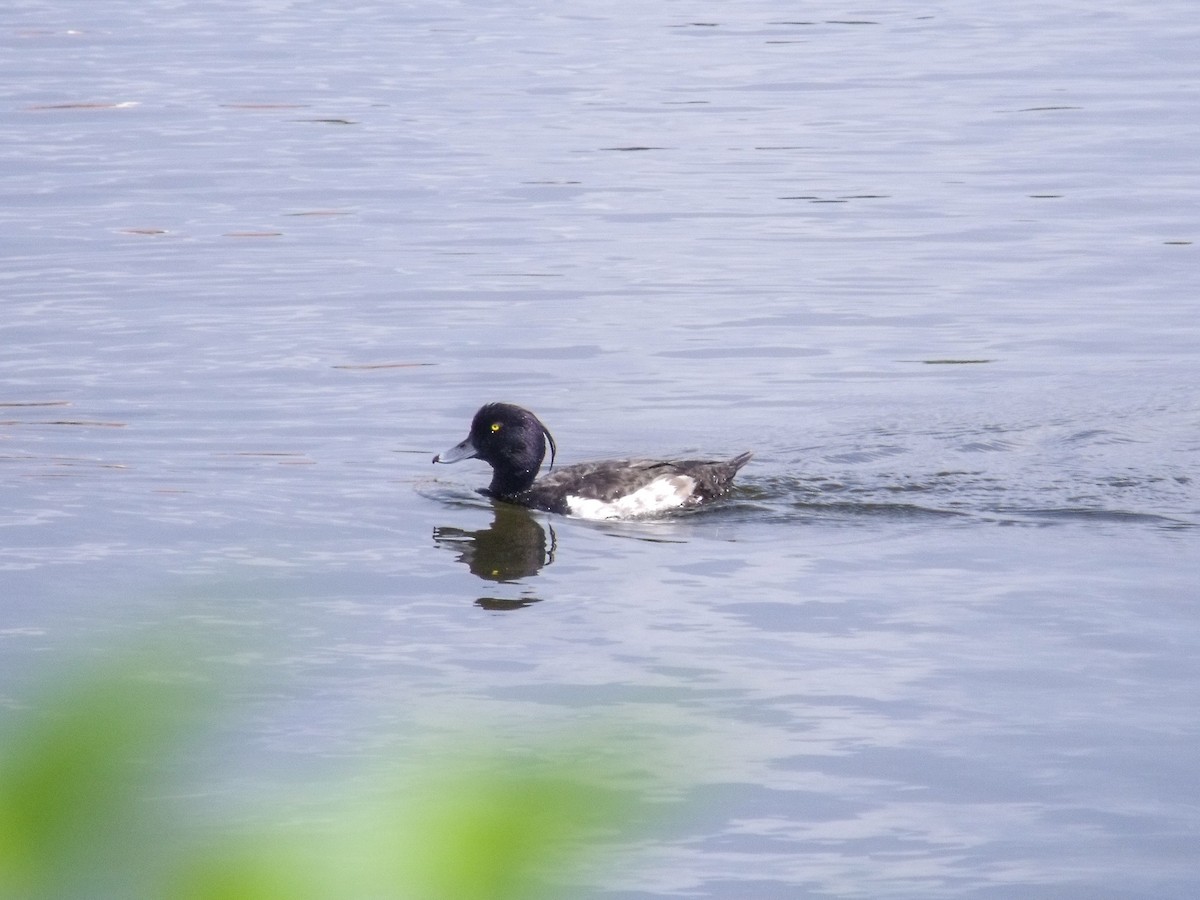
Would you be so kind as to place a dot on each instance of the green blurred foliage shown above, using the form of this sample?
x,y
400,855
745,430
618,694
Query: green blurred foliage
x,y
78,767
90,807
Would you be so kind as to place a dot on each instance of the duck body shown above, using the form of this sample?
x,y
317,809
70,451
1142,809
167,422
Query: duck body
x,y
513,441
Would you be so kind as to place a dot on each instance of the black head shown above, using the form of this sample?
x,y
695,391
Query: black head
x,y
511,440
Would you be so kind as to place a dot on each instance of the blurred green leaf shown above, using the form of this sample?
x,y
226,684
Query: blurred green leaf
x,y
505,831
77,767
250,867
89,808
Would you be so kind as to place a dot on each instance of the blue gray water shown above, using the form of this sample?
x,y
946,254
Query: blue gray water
x,y
936,266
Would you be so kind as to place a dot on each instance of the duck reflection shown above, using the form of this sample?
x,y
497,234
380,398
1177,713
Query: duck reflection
x,y
503,604
513,547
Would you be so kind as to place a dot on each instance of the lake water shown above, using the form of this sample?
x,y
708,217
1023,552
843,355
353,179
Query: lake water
x,y
935,265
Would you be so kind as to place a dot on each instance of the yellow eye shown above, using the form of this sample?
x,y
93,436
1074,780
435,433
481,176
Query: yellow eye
x,y
495,426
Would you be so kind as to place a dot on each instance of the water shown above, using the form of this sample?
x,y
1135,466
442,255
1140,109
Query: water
x,y
935,267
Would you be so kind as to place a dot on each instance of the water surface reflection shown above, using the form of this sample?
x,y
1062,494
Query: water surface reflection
x,y
513,547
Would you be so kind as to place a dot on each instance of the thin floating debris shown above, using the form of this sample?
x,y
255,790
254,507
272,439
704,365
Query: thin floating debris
x,y
63,462
391,365
36,403
1178,243
281,457
124,104
141,231
262,453
955,362
82,423
265,105
636,148
284,458
329,121
1045,196
321,212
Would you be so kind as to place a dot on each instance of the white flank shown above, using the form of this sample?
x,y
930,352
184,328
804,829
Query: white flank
x,y
668,492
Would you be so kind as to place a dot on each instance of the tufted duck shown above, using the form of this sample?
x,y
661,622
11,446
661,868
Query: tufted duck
x,y
513,442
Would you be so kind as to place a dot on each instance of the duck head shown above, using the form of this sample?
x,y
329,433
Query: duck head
x,y
511,440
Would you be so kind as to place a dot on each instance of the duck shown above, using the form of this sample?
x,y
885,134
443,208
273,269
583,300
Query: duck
x,y
513,441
